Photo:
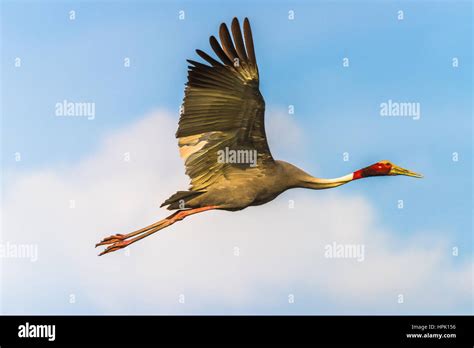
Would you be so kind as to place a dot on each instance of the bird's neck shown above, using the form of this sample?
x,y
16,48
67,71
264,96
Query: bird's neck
x,y
311,182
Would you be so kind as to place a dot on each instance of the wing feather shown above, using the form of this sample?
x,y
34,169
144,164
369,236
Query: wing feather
x,y
208,58
222,108
249,42
219,51
227,44
239,42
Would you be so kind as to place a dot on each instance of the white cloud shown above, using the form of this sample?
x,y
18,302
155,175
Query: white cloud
x,y
281,249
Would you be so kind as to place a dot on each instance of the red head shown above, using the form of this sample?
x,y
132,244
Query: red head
x,y
383,168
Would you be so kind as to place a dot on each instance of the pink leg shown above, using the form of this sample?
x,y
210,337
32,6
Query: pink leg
x,y
120,241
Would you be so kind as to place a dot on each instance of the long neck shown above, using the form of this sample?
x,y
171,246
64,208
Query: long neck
x,y
311,182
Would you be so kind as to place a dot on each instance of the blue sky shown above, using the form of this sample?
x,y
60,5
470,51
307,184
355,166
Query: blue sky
x,y
300,63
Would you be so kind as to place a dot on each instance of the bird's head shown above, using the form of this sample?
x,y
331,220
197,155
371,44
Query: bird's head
x,y
383,168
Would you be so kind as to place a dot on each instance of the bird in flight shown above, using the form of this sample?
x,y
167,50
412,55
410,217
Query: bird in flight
x,y
221,138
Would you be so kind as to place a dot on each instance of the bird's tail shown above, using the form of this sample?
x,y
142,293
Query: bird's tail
x,y
180,199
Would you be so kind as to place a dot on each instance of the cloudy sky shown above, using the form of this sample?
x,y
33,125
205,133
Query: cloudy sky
x,y
69,181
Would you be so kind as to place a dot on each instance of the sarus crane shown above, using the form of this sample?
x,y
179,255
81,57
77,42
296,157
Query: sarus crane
x,y
223,110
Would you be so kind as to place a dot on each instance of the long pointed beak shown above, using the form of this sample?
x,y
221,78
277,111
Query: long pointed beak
x,y
402,171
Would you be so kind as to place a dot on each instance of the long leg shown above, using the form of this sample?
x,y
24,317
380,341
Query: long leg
x,y
120,241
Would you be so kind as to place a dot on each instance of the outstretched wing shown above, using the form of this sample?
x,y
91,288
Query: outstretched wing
x,y
222,108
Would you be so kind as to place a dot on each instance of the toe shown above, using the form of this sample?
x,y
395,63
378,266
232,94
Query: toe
x,y
112,239
116,246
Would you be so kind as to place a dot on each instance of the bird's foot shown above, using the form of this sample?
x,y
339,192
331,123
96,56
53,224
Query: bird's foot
x,y
112,239
117,241
117,245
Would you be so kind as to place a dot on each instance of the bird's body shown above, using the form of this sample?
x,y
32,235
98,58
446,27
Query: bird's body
x,y
243,188
223,112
